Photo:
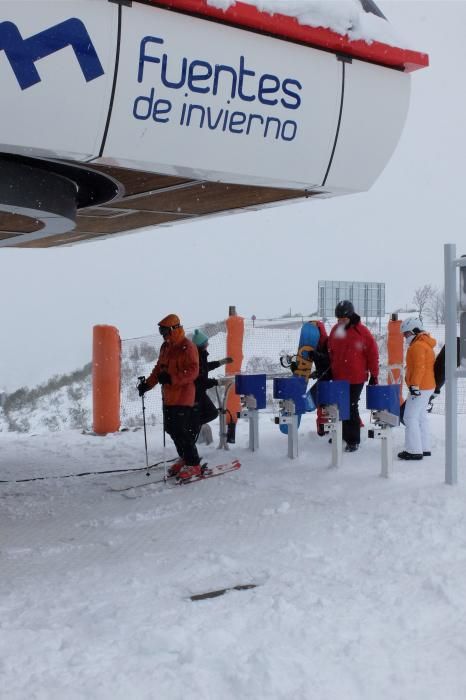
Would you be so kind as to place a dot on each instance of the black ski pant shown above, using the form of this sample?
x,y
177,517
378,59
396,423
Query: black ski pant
x,y
204,412
181,423
352,426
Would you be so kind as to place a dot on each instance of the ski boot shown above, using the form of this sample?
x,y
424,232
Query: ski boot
x,y
409,455
187,472
176,467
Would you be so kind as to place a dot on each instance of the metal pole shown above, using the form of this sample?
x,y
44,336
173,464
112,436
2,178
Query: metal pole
x,y
141,380
387,454
145,431
337,444
253,416
451,424
293,437
223,445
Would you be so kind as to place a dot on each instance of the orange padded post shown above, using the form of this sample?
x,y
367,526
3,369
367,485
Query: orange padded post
x,y
395,352
106,362
235,334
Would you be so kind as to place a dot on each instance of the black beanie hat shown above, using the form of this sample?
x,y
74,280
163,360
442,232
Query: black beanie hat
x,y
344,309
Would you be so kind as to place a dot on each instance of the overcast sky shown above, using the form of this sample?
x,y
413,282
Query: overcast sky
x,y
264,262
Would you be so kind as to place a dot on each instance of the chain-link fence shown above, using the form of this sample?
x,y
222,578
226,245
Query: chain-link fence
x,y
263,345
262,348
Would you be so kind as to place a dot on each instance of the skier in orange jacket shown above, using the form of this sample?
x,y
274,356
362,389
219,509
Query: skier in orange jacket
x,y
420,379
176,371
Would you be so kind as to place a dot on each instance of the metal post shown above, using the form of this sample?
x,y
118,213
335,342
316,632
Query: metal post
x,y
337,443
451,424
223,445
293,436
253,416
387,453
142,380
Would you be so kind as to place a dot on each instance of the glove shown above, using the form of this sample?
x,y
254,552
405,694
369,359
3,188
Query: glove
x,y
164,378
414,391
225,361
142,387
373,381
436,391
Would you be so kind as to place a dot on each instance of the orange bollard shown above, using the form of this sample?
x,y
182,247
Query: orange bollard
x,y
106,363
235,334
395,353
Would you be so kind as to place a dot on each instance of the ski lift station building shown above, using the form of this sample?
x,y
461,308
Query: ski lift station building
x,y
119,115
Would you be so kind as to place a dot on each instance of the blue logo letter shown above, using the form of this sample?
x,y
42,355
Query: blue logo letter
x,y
23,53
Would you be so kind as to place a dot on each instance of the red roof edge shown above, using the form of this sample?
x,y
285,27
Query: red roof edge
x,y
242,15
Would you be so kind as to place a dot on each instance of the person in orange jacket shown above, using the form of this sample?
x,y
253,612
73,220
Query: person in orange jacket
x,y
176,371
420,378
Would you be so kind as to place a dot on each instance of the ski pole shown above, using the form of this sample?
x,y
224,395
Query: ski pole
x,y
141,380
164,444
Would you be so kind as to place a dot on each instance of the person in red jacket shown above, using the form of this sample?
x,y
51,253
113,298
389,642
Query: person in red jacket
x,y
176,371
354,356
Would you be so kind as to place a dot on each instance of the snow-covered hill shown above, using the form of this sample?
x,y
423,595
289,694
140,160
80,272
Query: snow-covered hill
x,y
63,402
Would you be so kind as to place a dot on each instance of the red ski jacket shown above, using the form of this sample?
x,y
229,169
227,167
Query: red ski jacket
x,y
322,344
353,352
180,358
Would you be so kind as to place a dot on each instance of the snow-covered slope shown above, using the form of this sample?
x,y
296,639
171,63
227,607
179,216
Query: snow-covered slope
x,y
361,581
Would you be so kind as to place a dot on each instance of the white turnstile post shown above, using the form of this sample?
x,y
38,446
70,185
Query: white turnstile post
x,y
333,426
384,422
249,410
289,417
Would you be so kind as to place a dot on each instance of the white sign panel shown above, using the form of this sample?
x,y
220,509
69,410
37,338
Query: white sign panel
x,y
192,97
374,113
368,298
204,100
56,68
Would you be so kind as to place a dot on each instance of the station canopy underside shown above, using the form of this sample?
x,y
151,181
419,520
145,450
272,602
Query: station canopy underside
x,y
149,199
338,105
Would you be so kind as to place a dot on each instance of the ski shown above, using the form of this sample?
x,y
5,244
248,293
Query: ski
x,y
222,591
121,489
207,473
210,472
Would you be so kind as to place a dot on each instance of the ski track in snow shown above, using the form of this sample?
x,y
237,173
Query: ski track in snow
x,y
361,581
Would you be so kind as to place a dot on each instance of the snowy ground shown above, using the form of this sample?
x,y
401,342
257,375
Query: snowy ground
x,y
361,581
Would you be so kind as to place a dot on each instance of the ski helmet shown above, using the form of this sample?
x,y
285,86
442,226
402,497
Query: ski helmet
x,y
344,309
412,325
168,324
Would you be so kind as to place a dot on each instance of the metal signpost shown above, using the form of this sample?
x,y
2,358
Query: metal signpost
x,y
452,374
368,297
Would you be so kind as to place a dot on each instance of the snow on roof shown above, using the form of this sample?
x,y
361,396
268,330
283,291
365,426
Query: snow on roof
x,y
346,17
355,28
